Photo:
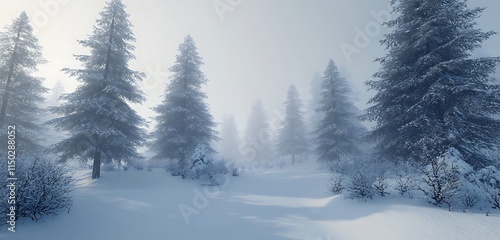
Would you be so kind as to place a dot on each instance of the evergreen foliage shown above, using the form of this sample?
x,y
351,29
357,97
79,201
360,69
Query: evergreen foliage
x,y
292,134
184,122
97,116
431,94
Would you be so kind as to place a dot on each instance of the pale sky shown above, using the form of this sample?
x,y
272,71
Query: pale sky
x,y
255,49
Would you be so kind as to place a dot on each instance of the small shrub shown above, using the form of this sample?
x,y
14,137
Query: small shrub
x,y
235,171
43,188
203,167
337,183
381,184
405,184
360,186
442,179
174,167
490,179
469,198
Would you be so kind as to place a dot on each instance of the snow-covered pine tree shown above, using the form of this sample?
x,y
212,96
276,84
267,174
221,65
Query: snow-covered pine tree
x,y
229,146
292,136
184,121
257,144
431,95
43,187
339,130
21,93
102,127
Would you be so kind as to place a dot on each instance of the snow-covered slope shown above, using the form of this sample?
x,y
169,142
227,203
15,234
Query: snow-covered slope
x,y
289,203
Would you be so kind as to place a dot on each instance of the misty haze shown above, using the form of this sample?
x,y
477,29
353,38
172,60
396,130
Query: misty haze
x,y
249,119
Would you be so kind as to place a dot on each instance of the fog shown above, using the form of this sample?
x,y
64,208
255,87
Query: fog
x,y
253,49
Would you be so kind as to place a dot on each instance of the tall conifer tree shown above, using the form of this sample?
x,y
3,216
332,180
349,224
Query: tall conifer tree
x,y
431,94
339,130
101,124
292,136
184,121
21,93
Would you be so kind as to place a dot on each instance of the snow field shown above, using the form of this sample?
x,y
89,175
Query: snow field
x,y
289,203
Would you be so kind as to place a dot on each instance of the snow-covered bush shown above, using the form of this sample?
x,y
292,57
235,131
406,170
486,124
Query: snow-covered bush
x,y
137,163
405,180
199,163
42,188
469,198
200,166
470,186
361,185
175,168
442,178
336,183
405,184
235,171
212,173
490,179
450,179
381,184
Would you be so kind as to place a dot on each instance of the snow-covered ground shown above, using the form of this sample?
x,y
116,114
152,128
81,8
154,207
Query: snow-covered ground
x,y
289,203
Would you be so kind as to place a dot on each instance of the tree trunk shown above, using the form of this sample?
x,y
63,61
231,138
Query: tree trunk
x,y
3,109
96,168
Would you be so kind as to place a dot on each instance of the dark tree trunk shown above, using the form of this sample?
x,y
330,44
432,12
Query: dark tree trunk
x,y
96,168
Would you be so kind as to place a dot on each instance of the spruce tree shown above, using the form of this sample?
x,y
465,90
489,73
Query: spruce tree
x,y
229,146
102,127
21,93
257,142
431,94
184,122
339,130
292,134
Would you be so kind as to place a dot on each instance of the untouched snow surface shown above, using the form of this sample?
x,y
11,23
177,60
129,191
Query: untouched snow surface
x,y
289,203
